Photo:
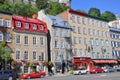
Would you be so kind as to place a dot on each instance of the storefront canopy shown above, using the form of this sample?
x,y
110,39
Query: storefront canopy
x,y
104,61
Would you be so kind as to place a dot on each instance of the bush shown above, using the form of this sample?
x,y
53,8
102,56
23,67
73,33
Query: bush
x,y
71,71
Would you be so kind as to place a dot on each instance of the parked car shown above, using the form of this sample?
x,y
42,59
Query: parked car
x,y
97,70
33,75
109,69
80,71
7,75
118,68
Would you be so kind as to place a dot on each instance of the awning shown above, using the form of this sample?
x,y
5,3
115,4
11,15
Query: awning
x,y
19,63
118,60
104,61
36,63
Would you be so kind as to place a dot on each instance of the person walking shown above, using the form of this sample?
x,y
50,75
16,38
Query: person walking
x,y
53,70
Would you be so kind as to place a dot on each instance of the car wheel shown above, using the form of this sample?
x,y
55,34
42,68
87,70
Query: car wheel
x,y
41,76
10,78
29,77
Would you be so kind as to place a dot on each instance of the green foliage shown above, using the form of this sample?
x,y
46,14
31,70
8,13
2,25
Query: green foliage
x,y
108,15
41,4
81,11
55,8
5,53
71,71
31,64
19,8
94,12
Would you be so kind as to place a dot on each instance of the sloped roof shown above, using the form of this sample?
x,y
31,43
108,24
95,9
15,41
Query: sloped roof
x,y
57,21
26,19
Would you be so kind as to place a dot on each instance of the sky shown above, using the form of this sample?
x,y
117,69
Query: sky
x,y
103,5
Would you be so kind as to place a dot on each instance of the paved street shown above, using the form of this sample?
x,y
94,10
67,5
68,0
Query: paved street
x,y
99,76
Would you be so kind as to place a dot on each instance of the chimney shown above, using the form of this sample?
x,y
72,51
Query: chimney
x,y
34,16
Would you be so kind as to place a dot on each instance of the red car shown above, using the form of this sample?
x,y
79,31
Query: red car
x,y
33,75
97,70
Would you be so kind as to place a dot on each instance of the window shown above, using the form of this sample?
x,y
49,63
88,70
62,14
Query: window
x,y
56,56
107,43
97,43
84,31
89,31
98,32
83,20
34,40
26,25
34,55
93,31
41,57
1,36
17,38
26,55
75,52
41,27
102,42
88,21
85,41
92,22
79,30
55,32
62,44
34,27
74,39
73,18
1,21
107,35
18,55
78,19
80,52
91,41
62,56
80,40
7,22
102,33
56,44
74,29
26,40
41,40
7,37
18,24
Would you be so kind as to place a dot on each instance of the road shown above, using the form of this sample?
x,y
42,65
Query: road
x,y
99,76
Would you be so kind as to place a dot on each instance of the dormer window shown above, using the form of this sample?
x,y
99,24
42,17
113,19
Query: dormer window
x,y
18,24
34,26
26,25
65,23
54,21
41,27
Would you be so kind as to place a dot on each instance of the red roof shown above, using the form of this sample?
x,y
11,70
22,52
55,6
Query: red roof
x,y
77,12
29,20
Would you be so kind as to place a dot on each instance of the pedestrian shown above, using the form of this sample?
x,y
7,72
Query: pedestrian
x,y
63,67
53,70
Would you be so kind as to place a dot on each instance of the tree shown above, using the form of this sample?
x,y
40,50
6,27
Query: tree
x,y
19,8
5,53
55,8
94,12
41,4
108,16
81,11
